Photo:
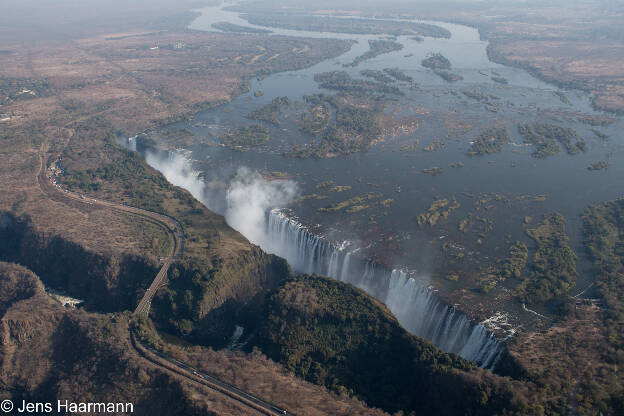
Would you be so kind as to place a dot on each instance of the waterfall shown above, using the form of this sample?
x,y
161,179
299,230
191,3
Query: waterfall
x,y
417,308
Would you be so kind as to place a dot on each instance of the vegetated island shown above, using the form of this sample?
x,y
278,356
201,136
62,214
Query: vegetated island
x,y
377,47
347,25
480,96
233,28
600,134
245,137
351,205
500,80
379,76
489,141
317,116
439,209
356,125
343,82
399,75
552,271
436,61
435,170
448,76
547,139
440,65
602,165
350,121
270,112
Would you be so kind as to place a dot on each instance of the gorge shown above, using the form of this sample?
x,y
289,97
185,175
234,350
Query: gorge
x,y
251,205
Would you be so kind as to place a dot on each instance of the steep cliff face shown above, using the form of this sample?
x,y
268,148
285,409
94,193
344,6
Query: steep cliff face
x,y
106,282
416,306
48,352
204,301
335,335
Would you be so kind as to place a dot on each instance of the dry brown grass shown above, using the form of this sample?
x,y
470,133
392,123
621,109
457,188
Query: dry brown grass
x,y
36,334
96,85
129,87
567,357
263,377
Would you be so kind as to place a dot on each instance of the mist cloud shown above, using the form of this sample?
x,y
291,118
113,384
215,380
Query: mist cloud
x,y
178,171
250,197
245,202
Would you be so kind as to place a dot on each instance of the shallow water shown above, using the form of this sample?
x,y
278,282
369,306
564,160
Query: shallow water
x,y
569,186
395,237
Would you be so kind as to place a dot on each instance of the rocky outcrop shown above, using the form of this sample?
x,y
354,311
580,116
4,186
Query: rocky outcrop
x,y
106,282
49,353
205,301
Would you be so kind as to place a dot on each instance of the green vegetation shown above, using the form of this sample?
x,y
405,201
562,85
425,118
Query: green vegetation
x,y
124,169
233,28
603,227
340,188
602,165
342,81
175,139
562,97
106,283
350,203
448,76
595,120
500,80
552,271
439,209
489,141
436,61
14,89
270,112
356,208
600,134
245,137
356,126
311,196
377,47
516,262
479,96
399,75
546,139
325,184
378,76
183,309
337,336
317,116
604,236
435,146
347,25
435,170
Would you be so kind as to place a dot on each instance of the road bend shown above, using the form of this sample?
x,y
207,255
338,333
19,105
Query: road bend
x,y
174,228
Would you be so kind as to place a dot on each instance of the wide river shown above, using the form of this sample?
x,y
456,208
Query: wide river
x,y
513,184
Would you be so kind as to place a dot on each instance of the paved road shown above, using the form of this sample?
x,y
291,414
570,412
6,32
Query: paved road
x,y
174,228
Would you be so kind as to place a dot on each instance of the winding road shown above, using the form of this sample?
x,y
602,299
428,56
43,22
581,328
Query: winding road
x,y
174,228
